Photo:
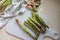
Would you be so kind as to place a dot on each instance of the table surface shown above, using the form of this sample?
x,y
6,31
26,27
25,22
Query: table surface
x,y
51,8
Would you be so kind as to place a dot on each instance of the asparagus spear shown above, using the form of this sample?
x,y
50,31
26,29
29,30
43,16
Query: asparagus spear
x,y
42,28
1,11
39,19
24,28
7,3
34,9
37,4
33,15
3,8
36,23
35,19
31,27
2,2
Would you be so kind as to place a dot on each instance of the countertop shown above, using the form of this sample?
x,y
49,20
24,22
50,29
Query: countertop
x,y
51,8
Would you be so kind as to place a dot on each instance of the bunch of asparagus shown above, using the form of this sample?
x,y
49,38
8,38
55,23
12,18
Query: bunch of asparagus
x,y
4,4
35,24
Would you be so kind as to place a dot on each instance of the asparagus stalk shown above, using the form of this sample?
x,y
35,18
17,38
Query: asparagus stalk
x,y
1,11
34,9
24,28
43,28
31,27
33,16
41,21
2,2
34,25
7,3
39,2
34,21
3,8
37,5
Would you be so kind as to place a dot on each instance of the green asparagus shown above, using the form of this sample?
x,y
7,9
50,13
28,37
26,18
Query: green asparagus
x,y
5,4
40,20
36,23
24,28
2,2
31,27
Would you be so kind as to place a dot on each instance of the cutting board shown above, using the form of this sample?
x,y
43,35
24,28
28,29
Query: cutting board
x,y
13,29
